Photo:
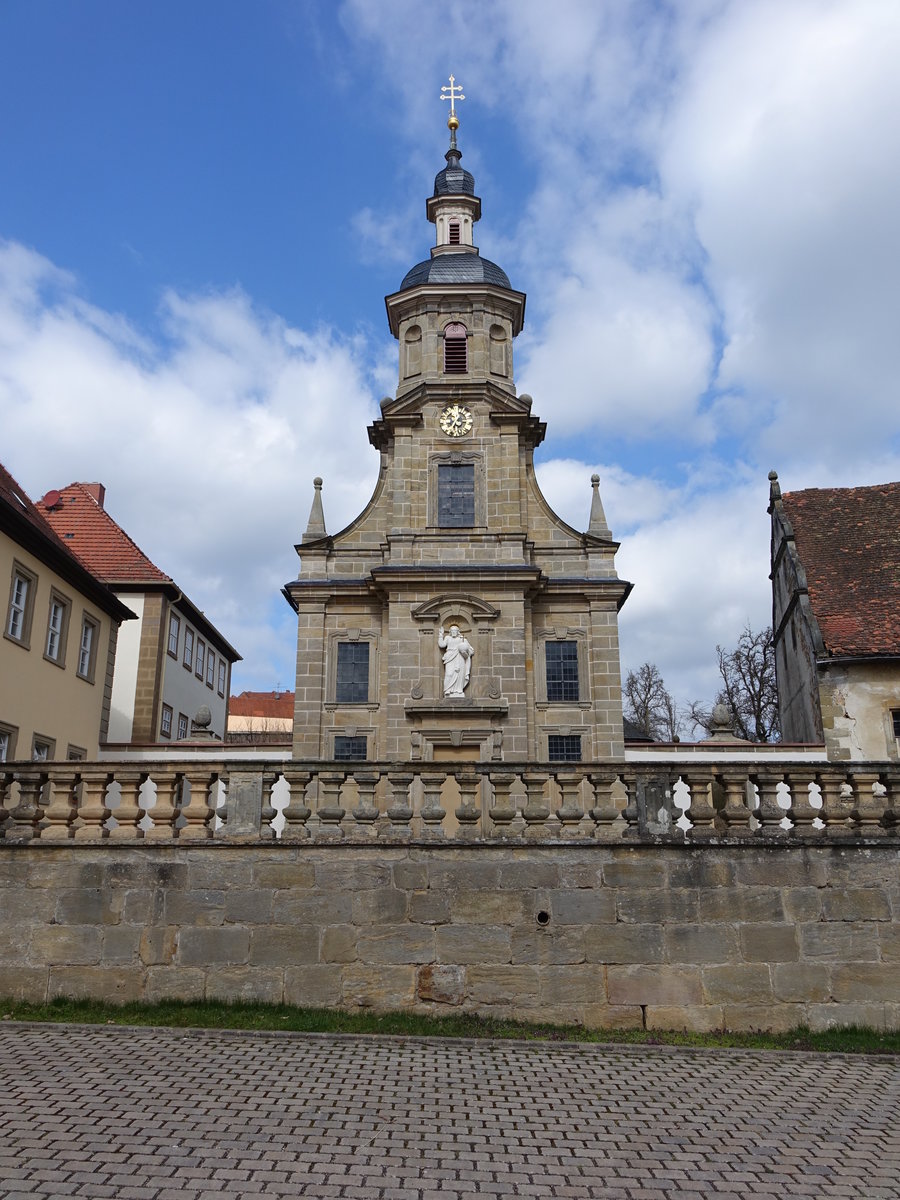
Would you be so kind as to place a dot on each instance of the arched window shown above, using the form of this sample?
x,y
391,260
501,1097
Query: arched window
x,y
453,233
455,350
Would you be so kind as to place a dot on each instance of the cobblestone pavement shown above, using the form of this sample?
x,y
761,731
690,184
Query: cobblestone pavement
x,y
165,1114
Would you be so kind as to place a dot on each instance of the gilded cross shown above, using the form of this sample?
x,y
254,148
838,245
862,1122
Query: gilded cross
x,y
452,93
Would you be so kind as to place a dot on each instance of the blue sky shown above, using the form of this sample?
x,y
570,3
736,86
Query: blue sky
x,y
203,204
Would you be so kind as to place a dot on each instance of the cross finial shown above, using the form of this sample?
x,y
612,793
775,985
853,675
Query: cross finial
x,y
452,93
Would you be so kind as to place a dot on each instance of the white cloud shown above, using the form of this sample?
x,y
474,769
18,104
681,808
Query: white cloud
x,y
207,439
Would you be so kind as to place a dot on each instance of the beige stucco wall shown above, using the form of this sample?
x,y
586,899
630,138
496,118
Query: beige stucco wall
x,y
42,697
856,700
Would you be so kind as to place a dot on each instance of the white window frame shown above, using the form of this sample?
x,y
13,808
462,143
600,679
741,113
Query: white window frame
x,y
21,605
87,654
174,629
57,628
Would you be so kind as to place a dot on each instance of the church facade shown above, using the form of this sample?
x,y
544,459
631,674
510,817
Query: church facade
x,y
458,618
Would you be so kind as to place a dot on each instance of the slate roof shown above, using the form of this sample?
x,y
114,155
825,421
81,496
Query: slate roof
x,y
262,704
101,544
848,541
455,268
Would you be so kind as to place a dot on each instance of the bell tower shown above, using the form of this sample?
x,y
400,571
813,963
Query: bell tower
x,y
458,617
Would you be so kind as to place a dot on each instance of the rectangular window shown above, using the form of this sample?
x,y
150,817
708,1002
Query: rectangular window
x,y
87,649
456,494
564,747
895,717
7,742
21,604
352,684
201,658
353,748
57,628
76,754
188,656
42,748
165,723
562,670
222,676
174,630
182,726
210,669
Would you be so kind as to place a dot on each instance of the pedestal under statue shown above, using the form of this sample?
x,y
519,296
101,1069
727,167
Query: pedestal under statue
x,y
457,660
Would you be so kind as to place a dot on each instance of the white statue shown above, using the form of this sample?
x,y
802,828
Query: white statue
x,y
457,660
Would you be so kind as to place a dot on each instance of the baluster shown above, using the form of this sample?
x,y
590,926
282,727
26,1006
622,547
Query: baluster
x,y
6,779
571,810
268,812
770,813
837,803
328,806
871,802
164,812
432,812
536,810
502,812
298,811
400,812
701,812
93,811
61,805
366,811
24,820
892,812
628,778
468,813
198,812
129,813
802,812
605,811
735,814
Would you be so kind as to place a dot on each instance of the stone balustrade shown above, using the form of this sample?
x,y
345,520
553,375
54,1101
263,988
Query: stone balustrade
x,y
319,802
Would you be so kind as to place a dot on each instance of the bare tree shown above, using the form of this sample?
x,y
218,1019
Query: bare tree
x,y
649,706
749,688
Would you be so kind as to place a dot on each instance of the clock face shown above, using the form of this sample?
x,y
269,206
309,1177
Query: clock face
x,y
456,420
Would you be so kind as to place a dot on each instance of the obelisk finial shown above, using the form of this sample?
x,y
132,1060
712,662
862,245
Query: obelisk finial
x,y
452,93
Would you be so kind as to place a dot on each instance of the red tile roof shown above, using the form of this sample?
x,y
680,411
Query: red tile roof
x,y
262,704
848,540
91,533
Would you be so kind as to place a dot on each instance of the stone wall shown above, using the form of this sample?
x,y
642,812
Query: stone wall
x,y
674,936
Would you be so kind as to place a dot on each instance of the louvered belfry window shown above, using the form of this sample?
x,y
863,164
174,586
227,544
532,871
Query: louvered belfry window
x,y
454,233
455,350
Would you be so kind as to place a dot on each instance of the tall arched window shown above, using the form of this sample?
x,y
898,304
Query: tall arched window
x,y
455,350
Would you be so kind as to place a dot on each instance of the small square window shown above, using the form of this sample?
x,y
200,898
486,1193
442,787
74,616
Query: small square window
x,y
188,656
201,658
210,669
174,631
564,747
352,684
42,748
165,723
352,748
562,670
87,649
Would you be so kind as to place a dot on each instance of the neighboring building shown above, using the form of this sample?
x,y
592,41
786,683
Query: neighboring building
x,y
172,661
836,617
458,617
260,718
60,626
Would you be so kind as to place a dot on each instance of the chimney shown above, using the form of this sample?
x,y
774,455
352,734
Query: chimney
x,y
97,490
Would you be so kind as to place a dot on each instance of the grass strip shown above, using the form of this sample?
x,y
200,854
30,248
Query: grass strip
x,y
211,1014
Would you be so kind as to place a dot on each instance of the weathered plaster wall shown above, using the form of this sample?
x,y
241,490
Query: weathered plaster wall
x,y
856,702
746,937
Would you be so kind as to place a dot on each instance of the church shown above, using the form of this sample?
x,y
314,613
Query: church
x,y
457,618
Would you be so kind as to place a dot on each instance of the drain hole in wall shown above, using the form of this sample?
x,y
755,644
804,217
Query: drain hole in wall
x,y
543,918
